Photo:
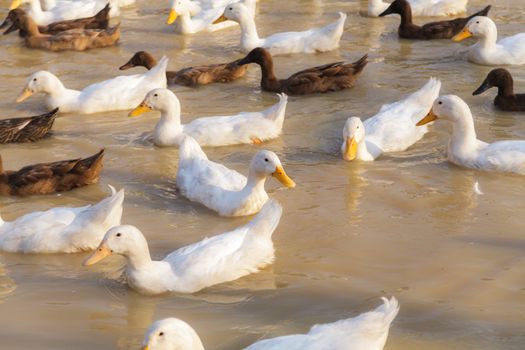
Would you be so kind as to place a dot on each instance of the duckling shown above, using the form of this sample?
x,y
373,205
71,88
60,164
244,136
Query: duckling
x,y
99,21
191,76
506,99
433,30
28,129
219,259
75,39
46,178
329,77
488,51
310,41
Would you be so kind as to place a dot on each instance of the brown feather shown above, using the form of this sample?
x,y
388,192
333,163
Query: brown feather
x,y
29,129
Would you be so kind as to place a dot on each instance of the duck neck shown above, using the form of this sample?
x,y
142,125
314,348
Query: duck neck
x,y
489,39
169,117
464,134
362,151
148,61
255,183
268,80
249,36
185,22
28,26
406,16
55,89
506,86
139,258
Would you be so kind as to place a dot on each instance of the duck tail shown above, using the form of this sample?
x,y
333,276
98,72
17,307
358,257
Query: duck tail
x,y
389,310
277,112
267,220
360,64
102,16
189,148
483,12
428,93
160,70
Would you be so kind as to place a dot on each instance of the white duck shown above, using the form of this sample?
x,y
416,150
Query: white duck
x,y
224,190
489,51
367,331
464,148
393,129
62,11
246,127
120,93
62,229
314,40
222,258
423,7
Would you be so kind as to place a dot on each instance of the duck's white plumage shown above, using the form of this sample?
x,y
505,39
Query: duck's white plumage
x,y
222,258
488,50
120,93
246,127
423,7
464,148
368,331
62,229
186,23
310,41
224,190
393,129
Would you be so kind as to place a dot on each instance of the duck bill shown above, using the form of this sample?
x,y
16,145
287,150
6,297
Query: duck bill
x,y
141,108
350,152
465,33
483,87
430,117
25,94
11,29
101,253
172,17
145,347
127,65
6,22
280,175
386,12
15,4
221,19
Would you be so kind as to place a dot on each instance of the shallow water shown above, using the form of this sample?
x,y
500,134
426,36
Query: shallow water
x,y
408,225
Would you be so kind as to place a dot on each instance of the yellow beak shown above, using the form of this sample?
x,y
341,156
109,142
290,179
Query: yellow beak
x,y
141,108
430,117
99,254
172,17
145,347
222,18
465,33
280,175
15,4
350,149
24,95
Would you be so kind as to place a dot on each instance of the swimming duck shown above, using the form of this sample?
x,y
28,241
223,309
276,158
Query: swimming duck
x,y
46,178
219,259
393,129
423,7
75,39
28,129
62,229
202,22
367,331
224,190
464,148
64,10
329,77
489,51
120,93
506,99
191,76
311,41
433,30
99,21
246,127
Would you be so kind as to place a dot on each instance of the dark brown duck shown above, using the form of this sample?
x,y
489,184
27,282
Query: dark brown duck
x,y
98,21
46,178
29,129
506,99
329,77
434,30
191,76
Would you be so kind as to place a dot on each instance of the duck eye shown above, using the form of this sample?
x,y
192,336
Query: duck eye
x,y
161,334
34,79
265,159
231,8
440,103
477,22
119,234
156,95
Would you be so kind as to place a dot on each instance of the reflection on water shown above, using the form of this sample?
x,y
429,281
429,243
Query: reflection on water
x,y
7,285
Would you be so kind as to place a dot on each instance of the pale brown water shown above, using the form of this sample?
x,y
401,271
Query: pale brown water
x,y
407,225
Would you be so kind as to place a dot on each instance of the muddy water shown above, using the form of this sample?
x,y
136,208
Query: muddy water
x,y
408,225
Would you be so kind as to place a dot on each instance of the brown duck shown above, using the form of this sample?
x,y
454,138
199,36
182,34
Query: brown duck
x,y
329,77
191,76
506,99
46,178
29,129
98,21
74,39
433,30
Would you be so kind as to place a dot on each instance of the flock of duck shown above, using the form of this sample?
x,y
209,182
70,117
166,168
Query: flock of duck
x,y
80,25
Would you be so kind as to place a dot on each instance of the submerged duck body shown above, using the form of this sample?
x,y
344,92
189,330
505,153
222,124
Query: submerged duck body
x,y
428,8
329,77
46,178
191,76
434,30
218,259
28,129
506,99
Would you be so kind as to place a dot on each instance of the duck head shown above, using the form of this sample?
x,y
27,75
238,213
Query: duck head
x,y
353,136
448,107
11,17
169,334
41,81
397,7
500,78
178,7
479,26
157,99
234,11
140,59
266,163
259,55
